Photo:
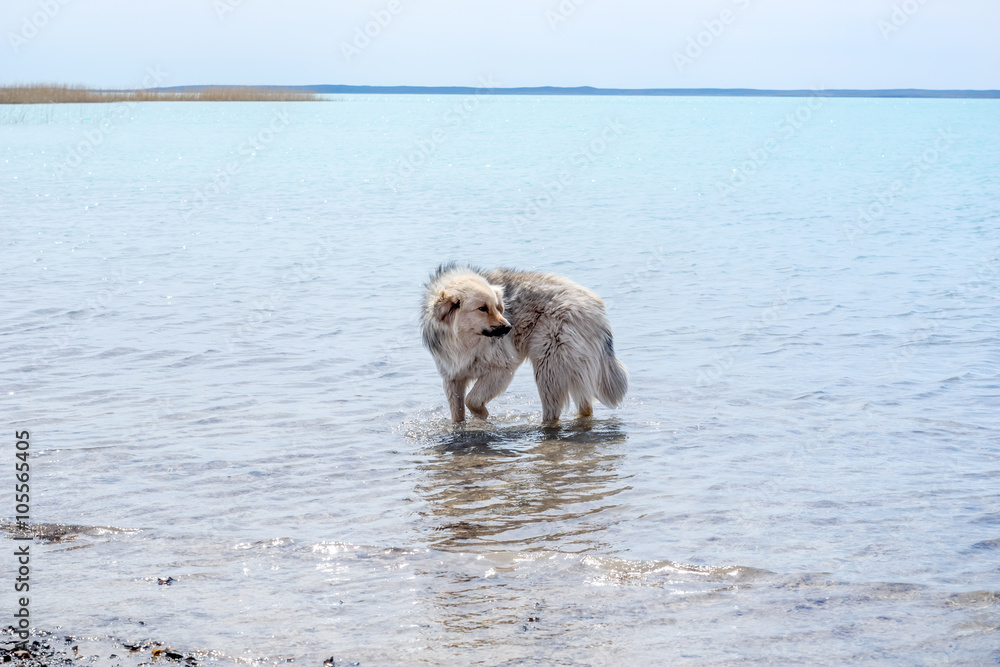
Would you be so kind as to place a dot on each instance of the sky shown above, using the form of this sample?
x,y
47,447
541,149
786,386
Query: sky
x,y
779,44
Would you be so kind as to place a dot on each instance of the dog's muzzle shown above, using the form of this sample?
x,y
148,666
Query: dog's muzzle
x,y
496,332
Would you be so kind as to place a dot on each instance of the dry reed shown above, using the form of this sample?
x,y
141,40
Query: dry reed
x,y
55,93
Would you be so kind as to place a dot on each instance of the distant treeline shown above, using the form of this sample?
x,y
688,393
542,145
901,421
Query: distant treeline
x,y
54,93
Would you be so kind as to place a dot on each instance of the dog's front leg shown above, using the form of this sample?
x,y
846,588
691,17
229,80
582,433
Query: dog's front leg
x,y
454,389
487,388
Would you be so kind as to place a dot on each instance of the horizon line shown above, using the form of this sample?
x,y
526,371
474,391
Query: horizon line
x,y
594,90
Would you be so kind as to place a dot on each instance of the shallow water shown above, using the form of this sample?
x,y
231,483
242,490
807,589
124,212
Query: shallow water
x,y
210,330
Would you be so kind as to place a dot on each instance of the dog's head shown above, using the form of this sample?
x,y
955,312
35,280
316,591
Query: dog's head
x,y
473,306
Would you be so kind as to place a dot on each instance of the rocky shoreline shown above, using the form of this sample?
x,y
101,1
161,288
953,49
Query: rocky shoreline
x,y
52,649
48,649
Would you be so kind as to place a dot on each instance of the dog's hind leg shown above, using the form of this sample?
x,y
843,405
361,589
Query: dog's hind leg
x,y
454,389
487,388
552,390
584,406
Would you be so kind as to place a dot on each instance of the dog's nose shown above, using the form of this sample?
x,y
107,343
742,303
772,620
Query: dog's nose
x,y
497,332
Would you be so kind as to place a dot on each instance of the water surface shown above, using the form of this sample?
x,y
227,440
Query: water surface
x,y
210,330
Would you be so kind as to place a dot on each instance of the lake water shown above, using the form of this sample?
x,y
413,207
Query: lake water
x,y
209,327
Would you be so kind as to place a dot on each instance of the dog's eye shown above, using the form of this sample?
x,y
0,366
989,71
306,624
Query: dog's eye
x,y
484,309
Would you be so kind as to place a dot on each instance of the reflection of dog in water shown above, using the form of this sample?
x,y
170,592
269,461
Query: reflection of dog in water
x,y
481,325
559,486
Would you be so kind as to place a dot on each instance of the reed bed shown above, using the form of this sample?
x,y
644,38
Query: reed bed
x,y
54,93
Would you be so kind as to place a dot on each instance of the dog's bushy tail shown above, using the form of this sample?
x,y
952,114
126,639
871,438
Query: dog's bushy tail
x,y
614,377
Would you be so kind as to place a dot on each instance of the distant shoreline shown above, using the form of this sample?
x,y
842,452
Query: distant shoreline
x,y
52,94
916,93
44,93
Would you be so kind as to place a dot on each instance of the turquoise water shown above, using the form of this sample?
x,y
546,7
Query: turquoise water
x,y
210,330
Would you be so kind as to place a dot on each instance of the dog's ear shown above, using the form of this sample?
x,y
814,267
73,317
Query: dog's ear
x,y
447,303
499,290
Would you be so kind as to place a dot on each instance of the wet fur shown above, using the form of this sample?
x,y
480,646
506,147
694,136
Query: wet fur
x,y
560,326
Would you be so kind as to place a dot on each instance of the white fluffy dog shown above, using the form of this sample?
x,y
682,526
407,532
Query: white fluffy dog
x,y
481,325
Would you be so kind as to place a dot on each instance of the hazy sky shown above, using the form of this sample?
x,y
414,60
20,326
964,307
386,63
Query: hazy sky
x,y
606,43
